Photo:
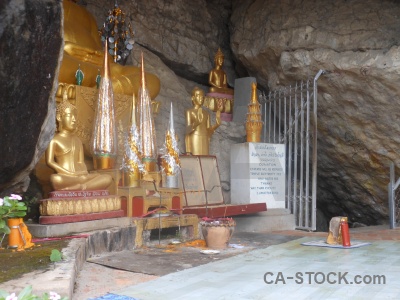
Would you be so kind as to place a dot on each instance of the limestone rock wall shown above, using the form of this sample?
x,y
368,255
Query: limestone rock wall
x,y
356,42
184,34
30,43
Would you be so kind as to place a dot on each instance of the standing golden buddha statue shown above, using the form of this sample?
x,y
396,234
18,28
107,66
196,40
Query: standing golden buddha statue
x,y
83,49
198,125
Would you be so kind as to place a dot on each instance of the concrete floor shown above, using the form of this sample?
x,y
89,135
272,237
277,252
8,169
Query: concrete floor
x,y
288,270
271,270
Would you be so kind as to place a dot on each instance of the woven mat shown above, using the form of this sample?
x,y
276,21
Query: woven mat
x,y
323,243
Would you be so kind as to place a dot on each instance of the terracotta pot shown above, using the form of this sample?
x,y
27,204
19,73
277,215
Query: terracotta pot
x,y
217,236
15,239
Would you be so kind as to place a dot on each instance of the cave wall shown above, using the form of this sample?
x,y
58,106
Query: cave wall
x,y
30,50
356,43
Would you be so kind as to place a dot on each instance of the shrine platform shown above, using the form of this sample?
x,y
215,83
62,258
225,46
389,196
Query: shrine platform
x,y
139,228
271,220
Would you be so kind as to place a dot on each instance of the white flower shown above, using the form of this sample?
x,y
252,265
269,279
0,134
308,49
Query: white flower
x,y
15,197
12,297
54,296
1,201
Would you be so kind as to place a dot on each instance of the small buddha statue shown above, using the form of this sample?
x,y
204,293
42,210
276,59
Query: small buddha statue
x,y
217,77
83,49
65,155
198,125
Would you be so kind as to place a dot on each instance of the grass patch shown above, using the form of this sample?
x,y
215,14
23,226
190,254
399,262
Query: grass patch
x,y
13,264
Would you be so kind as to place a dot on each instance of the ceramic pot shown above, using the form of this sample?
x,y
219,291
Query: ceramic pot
x,y
217,234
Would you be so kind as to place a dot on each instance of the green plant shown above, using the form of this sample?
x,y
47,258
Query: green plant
x,y
55,255
26,294
10,207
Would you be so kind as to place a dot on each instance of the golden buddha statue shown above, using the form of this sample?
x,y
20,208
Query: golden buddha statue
x,y
217,77
198,125
83,50
65,155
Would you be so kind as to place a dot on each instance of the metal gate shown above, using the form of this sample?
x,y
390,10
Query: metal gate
x,y
290,118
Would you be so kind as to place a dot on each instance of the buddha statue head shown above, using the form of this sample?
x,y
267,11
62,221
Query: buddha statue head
x,y
219,58
197,97
66,115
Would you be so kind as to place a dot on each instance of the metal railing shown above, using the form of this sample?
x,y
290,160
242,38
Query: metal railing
x,y
290,118
394,198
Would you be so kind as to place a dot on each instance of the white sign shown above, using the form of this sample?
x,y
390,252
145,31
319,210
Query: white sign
x,y
258,174
267,172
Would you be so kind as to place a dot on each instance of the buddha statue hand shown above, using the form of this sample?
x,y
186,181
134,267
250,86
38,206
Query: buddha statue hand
x,y
76,173
200,116
84,54
216,125
218,118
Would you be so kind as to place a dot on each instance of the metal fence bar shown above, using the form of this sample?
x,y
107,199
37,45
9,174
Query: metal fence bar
x,y
270,114
301,202
307,180
289,155
392,221
392,187
265,117
314,152
279,117
275,116
295,150
285,139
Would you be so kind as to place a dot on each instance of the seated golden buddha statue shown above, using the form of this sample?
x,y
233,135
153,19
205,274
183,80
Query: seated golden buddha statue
x,y
217,77
65,155
198,125
83,50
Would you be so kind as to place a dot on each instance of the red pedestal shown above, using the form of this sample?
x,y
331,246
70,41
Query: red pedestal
x,y
141,206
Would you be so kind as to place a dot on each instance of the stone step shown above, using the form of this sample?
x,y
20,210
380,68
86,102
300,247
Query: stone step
x,y
58,230
270,220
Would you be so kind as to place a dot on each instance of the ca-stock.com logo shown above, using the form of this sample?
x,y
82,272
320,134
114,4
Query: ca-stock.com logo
x,y
342,278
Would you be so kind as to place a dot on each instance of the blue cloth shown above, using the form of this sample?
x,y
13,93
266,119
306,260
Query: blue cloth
x,y
113,297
